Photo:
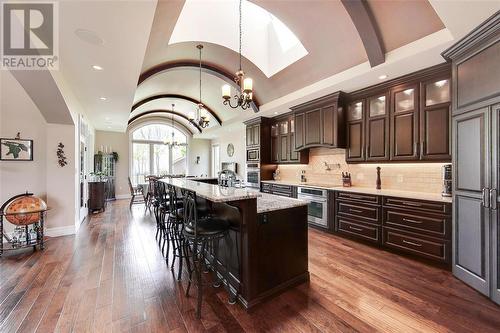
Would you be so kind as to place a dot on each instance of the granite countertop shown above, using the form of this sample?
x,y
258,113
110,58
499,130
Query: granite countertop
x,y
270,202
214,193
366,190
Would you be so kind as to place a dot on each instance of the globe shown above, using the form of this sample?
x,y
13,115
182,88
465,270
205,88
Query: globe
x,y
24,210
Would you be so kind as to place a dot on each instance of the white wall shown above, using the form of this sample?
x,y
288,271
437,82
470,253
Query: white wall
x,y
201,148
235,135
18,113
42,176
61,197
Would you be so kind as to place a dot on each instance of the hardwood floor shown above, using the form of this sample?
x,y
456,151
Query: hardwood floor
x,y
111,277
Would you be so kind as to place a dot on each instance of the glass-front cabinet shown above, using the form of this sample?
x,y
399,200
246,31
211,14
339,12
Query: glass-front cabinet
x,y
377,128
355,131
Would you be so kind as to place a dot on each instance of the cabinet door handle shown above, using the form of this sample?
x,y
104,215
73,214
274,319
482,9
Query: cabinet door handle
x,y
355,210
486,198
411,243
493,199
354,228
412,221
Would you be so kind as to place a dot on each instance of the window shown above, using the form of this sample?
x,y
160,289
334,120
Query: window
x,y
153,153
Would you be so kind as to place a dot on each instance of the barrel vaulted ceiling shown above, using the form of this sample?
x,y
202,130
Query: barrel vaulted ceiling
x,y
326,30
344,45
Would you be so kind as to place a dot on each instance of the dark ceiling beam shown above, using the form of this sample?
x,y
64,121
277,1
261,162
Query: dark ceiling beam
x,y
145,113
175,96
209,69
367,28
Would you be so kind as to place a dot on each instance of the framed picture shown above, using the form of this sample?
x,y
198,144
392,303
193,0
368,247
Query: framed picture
x,y
16,150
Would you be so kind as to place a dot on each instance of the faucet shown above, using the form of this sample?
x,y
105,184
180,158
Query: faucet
x,y
227,178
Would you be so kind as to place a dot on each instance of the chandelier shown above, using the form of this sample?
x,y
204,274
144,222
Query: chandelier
x,y
243,98
201,113
172,142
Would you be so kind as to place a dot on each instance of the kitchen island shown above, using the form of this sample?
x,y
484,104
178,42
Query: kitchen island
x,y
268,239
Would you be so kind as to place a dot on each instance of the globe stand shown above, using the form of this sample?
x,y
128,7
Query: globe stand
x,y
37,226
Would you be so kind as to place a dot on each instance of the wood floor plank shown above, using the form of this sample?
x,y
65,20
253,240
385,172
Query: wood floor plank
x,y
112,277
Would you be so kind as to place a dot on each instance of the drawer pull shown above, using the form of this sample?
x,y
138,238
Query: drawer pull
x,y
411,243
355,210
354,228
414,204
412,221
357,196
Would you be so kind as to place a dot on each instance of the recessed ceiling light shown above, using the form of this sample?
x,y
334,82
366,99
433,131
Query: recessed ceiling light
x,y
89,36
97,67
276,113
382,77
102,98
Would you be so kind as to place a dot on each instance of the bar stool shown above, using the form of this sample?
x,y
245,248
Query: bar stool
x,y
174,228
200,232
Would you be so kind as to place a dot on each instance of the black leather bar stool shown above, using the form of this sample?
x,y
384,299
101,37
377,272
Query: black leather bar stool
x,y
200,233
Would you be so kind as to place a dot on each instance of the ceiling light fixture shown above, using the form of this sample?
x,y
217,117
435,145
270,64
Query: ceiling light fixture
x,y
97,67
201,113
244,97
172,142
102,98
382,77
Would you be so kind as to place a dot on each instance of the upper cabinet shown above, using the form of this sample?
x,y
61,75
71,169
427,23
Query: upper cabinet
x,y
283,136
320,123
404,123
405,119
258,131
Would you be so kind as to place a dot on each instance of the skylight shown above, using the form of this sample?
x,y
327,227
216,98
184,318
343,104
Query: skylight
x,y
267,42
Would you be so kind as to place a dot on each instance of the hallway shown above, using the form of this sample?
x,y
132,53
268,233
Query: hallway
x,y
111,277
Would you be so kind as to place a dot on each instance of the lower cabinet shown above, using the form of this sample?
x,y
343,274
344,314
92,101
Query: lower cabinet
x,y
415,227
289,191
358,216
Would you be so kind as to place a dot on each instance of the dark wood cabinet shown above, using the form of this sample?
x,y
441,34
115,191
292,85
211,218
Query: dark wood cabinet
x,y
258,132
279,189
283,141
313,128
355,131
405,119
377,128
358,216
417,227
253,135
404,123
97,196
320,123
435,115
421,228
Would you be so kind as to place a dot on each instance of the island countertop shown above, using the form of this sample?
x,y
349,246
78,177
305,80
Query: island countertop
x,y
215,193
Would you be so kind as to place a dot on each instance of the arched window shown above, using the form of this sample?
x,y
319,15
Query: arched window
x,y
158,149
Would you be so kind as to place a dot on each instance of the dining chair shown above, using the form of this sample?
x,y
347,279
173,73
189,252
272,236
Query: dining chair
x,y
136,193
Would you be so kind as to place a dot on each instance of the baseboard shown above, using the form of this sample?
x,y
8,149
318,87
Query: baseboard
x,y
60,231
123,196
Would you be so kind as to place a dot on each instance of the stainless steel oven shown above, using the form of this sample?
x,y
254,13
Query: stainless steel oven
x,y
253,175
317,209
253,155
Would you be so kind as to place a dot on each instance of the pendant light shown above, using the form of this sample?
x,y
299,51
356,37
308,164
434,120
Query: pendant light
x,y
201,113
243,98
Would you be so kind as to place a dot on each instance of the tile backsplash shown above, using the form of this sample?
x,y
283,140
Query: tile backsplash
x,y
418,177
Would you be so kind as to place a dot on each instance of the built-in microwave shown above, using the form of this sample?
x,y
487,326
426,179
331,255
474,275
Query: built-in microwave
x,y
253,155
